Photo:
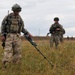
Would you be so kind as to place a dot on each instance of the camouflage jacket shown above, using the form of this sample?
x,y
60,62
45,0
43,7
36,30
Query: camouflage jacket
x,y
12,24
54,29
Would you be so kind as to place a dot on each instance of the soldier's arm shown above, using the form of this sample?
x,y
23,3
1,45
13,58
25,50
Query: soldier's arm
x,y
62,29
25,30
51,29
3,33
3,25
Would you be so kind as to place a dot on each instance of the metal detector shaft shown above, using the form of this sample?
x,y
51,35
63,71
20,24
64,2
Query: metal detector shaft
x,y
35,45
44,56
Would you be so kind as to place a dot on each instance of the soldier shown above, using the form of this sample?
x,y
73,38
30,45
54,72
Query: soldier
x,y
12,26
57,32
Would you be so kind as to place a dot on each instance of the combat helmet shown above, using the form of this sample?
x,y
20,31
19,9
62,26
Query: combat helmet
x,y
16,7
56,19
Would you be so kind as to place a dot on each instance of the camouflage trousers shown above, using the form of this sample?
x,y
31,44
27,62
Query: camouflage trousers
x,y
12,50
54,39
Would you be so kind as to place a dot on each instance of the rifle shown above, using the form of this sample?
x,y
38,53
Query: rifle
x,y
5,30
3,41
35,45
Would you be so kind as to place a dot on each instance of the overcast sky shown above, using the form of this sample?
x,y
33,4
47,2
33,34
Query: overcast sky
x,y
38,14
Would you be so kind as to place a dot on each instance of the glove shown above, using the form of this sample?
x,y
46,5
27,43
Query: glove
x,y
2,38
47,34
58,29
30,35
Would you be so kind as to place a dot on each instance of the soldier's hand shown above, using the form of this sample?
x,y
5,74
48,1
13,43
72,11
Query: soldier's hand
x,y
58,29
2,38
47,34
53,32
30,35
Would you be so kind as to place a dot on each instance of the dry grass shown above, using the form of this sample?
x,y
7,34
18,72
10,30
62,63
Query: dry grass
x,y
33,63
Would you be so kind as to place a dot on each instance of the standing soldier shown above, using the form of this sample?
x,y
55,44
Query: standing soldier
x,y
57,32
12,26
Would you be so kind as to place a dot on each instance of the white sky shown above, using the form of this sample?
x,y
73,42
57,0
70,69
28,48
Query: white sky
x,y
38,14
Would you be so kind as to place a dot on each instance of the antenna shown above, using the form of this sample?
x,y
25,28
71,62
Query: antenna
x,y
39,31
8,12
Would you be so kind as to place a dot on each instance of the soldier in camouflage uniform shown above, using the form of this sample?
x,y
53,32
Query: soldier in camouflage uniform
x,y
12,26
57,32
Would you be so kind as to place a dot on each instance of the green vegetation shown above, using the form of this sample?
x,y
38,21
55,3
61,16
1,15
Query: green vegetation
x,y
33,63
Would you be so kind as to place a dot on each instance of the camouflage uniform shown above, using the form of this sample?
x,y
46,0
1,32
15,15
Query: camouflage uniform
x,y
12,26
56,35
61,35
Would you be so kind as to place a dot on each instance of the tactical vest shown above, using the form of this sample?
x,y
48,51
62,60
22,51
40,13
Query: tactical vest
x,y
14,24
54,27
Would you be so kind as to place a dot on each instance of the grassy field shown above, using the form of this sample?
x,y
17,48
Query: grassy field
x,y
33,63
